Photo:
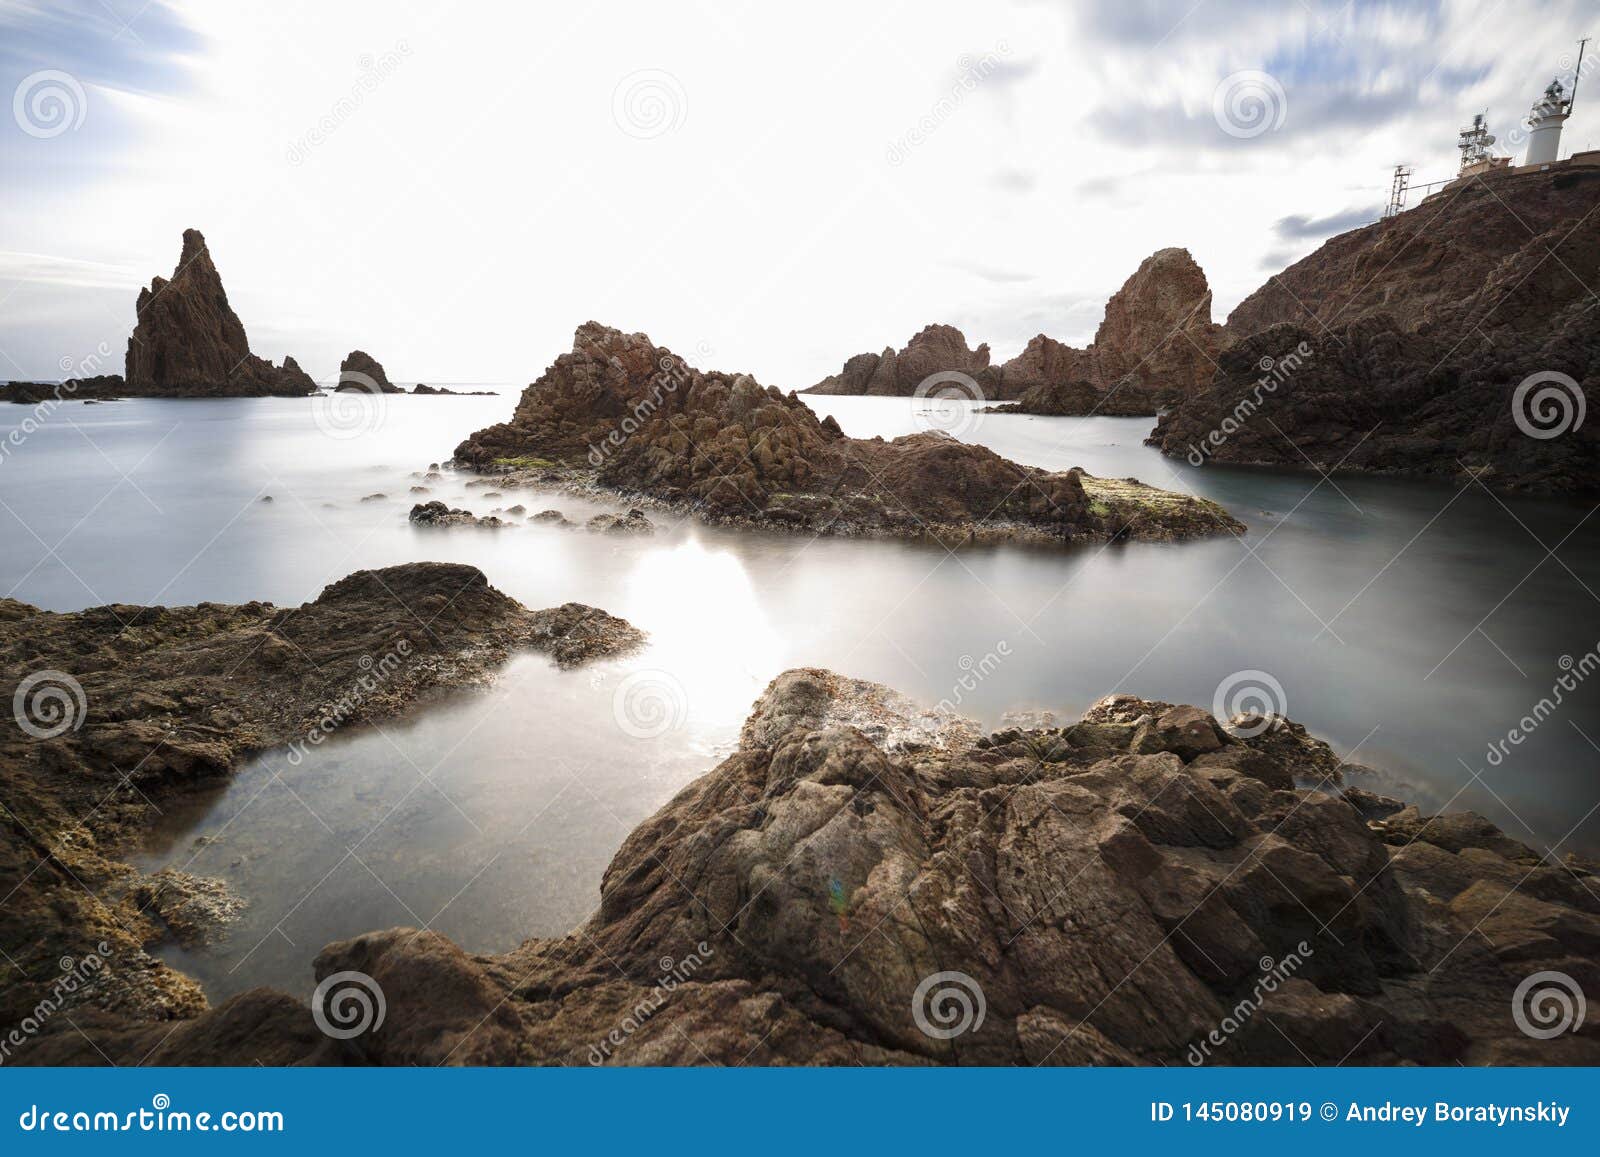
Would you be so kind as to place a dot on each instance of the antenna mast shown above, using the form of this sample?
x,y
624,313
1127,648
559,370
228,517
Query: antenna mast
x,y
1397,191
1577,75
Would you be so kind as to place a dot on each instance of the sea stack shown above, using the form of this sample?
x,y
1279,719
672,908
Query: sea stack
x,y
361,371
189,342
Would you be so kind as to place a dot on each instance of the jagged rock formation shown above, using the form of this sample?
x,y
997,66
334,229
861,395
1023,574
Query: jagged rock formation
x,y
162,699
423,388
1116,891
935,349
628,416
1417,332
361,371
189,343
1156,344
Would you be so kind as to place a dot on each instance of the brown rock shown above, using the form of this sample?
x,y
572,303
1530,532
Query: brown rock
x,y
361,371
1398,347
934,349
1156,343
188,341
646,423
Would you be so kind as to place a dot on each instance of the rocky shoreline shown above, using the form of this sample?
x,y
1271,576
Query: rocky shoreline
x,y
1142,886
621,416
125,706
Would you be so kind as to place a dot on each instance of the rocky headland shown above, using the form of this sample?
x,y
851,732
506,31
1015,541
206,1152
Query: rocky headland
x,y
1408,346
862,882
620,415
189,343
124,707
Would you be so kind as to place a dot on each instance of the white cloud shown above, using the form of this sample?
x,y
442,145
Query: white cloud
x,y
458,216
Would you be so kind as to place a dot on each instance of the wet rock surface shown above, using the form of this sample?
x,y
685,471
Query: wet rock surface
x,y
619,414
1399,347
1107,892
132,706
188,342
436,513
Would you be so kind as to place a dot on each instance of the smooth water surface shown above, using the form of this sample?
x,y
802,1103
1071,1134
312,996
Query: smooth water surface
x,y
1409,624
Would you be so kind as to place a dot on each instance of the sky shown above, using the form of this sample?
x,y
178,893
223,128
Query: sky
x,y
454,187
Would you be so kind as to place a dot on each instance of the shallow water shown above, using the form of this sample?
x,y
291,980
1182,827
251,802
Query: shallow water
x,y
1411,623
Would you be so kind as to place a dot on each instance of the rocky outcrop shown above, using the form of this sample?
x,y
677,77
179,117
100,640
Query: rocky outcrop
x,y
1401,347
436,513
1156,344
188,342
96,389
621,414
934,350
361,371
446,391
1080,399
1143,886
120,709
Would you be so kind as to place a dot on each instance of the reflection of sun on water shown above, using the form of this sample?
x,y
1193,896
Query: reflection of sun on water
x,y
707,628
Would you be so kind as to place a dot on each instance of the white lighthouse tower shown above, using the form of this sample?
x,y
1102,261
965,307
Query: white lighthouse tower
x,y
1545,119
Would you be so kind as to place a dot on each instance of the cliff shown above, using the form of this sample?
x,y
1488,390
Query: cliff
x,y
1459,339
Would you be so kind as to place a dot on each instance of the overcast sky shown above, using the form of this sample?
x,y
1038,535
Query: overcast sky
x,y
770,188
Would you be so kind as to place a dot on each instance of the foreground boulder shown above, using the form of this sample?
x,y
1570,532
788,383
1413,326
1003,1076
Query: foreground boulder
x,y
189,342
623,414
120,709
1401,347
1143,886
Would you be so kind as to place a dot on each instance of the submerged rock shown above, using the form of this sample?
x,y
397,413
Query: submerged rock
x,y
436,513
633,522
